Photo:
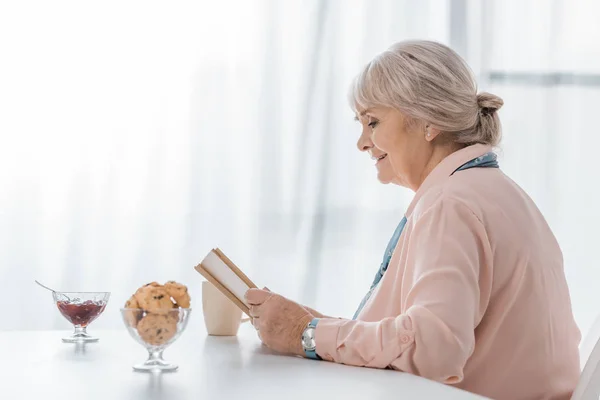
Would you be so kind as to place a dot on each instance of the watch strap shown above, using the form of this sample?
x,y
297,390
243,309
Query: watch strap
x,y
312,353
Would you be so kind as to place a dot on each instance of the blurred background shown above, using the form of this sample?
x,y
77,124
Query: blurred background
x,y
137,135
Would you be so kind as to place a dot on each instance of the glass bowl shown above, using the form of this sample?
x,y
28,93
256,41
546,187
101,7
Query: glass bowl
x,y
155,330
80,309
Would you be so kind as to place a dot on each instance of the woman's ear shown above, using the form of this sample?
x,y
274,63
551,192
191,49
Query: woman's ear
x,y
431,133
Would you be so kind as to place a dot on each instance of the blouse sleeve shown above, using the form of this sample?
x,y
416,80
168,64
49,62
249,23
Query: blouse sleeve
x,y
447,249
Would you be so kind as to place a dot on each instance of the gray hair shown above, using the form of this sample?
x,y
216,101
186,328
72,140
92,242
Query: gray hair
x,y
431,83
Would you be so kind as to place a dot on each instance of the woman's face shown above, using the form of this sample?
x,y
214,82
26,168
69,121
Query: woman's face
x,y
401,151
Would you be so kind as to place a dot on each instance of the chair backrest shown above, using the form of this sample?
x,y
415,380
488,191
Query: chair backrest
x,y
589,342
588,387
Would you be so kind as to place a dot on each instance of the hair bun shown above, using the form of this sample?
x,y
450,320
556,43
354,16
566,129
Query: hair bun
x,y
489,102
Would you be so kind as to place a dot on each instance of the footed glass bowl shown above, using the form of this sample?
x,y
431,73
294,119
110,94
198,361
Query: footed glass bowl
x,y
81,309
156,331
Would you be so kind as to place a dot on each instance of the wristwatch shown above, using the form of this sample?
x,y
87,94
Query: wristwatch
x,y
308,340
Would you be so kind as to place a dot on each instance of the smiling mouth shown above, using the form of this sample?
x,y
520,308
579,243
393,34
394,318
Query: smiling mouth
x,y
381,157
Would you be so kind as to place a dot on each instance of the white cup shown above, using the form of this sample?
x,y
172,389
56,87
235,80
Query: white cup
x,y
221,316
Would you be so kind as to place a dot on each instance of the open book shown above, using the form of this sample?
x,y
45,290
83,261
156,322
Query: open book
x,y
219,270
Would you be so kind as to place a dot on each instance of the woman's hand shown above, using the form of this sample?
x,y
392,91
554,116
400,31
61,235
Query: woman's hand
x,y
312,311
279,321
315,313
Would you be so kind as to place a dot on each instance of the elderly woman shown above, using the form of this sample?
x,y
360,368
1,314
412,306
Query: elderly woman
x,y
471,291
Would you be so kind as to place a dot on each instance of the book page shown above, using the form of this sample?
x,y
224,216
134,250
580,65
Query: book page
x,y
221,272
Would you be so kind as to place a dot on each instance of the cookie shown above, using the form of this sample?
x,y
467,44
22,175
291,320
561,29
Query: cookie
x,y
157,329
132,303
179,293
153,298
132,316
151,284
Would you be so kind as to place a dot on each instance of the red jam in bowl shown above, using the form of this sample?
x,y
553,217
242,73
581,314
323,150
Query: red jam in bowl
x,y
81,313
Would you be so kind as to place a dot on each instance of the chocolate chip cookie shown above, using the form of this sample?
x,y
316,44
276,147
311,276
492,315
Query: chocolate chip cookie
x,y
153,299
179,293
157,329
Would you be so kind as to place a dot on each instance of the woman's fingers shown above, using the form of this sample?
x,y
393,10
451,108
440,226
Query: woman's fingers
x,y
255,315
278,321
256,297
254,311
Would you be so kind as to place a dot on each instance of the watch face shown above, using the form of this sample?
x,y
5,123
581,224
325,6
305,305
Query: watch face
x,y
308,339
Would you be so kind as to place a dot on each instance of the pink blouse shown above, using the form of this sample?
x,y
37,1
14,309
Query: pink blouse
x,y
474,296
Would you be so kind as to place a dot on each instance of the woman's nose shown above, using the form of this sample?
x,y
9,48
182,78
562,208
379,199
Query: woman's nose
x,y
364,142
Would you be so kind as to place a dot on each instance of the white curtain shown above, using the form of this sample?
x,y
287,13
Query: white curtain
x,y
135,136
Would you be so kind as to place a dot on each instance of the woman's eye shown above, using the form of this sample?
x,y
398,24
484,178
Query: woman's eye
x,y
373,124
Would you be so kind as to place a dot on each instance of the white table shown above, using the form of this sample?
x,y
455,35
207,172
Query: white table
x,y
37,365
